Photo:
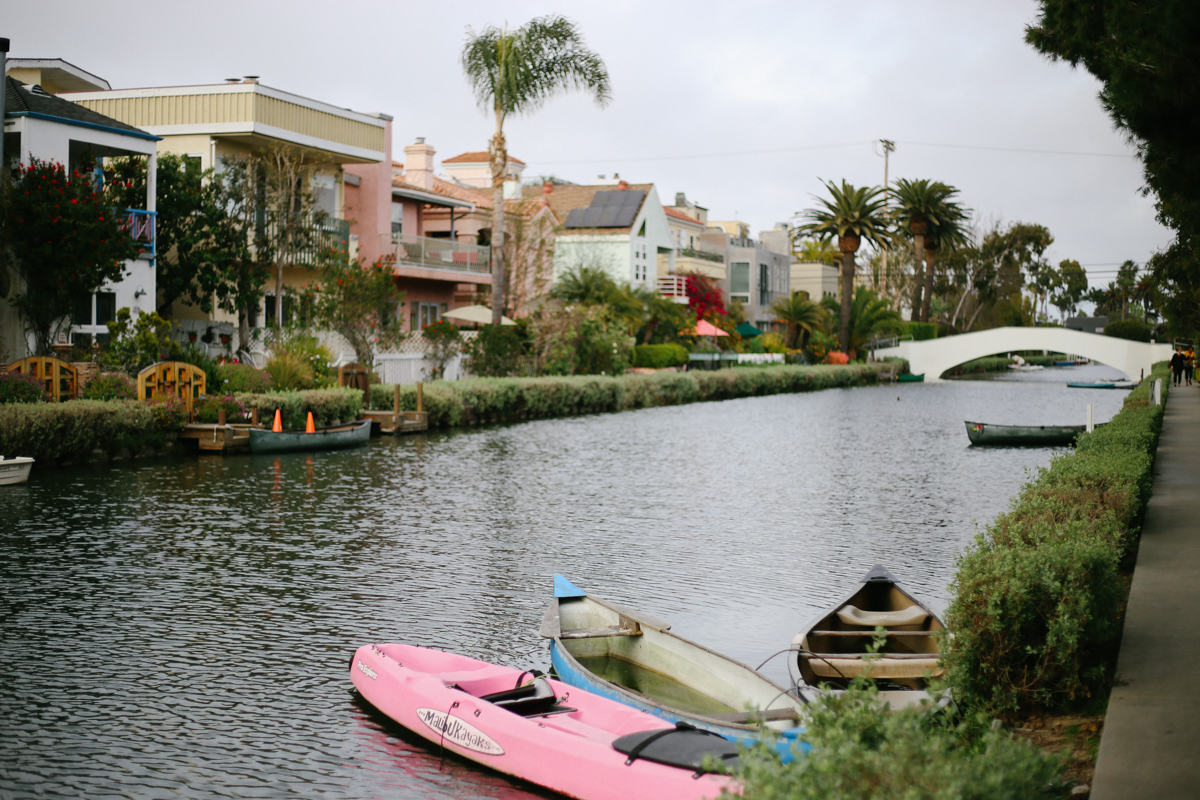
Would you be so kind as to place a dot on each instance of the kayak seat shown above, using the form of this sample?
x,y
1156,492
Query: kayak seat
x,y
834,665
535,697
683,746
913,615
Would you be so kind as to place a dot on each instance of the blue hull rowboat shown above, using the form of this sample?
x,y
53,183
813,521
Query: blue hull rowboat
x,y
1103,385
336,437
633,658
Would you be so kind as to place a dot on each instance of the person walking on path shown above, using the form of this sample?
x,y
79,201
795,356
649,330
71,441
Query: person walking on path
x,y
1189,364
1176,365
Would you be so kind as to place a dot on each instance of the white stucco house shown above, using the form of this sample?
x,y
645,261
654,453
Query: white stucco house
x,y
619,227
41,125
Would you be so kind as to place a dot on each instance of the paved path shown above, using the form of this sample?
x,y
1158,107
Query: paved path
x,y
1151,742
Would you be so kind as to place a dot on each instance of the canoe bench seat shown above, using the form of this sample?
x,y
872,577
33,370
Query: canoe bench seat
x,y
839,666
750,717
596,633
913,615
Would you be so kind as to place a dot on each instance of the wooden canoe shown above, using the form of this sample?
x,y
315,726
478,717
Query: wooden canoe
x,y
985,433
832,649
633,658
332,438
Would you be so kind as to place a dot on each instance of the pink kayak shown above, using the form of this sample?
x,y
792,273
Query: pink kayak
x,y
538,729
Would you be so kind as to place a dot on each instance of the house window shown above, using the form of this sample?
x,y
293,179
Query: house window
x,y
641,264
397,221
325,194
764,287
269,316
642,230
739,279
92,313
427,313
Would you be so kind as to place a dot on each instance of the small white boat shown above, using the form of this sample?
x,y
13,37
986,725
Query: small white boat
x,y
14,470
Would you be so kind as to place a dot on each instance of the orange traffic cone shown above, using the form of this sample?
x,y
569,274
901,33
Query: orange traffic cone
x,y
278,426
310,428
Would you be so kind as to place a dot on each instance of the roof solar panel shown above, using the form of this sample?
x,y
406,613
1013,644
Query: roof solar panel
x,y
609,209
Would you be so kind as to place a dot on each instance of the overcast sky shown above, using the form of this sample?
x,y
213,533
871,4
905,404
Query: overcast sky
x,y
742,105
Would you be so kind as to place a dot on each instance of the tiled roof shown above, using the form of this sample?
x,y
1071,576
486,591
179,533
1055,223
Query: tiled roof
x,y
671,212
482,198
565,198
21,98
475,158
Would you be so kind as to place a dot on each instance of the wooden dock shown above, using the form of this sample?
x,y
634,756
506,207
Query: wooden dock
x,y
218,438
397,421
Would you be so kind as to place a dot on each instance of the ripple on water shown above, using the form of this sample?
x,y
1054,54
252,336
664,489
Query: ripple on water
x,y
182,627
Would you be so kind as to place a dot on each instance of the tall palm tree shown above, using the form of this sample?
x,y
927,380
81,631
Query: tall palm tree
x,y
870,315
854,214
801,314
927,209
516,73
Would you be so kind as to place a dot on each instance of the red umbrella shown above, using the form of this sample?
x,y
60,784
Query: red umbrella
x,y
706,328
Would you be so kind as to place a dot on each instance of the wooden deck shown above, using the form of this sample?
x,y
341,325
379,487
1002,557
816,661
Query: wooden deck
x,y
218,438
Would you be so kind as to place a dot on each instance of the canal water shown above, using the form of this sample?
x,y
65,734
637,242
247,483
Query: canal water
x,y
181,627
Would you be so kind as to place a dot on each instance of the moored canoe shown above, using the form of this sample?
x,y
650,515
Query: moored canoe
x,y
633,657
985,433
332,438
539,730
832,648
906,378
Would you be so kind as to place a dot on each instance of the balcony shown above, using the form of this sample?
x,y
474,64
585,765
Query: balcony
x,y
464,262
306,238
673,287
140,225
706,255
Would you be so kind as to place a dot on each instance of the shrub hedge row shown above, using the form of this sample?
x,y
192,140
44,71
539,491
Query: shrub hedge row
x,y
1037,599
327,406
71,432
479,400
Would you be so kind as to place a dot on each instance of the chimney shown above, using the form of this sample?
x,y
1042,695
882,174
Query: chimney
x,y
547,187
250,79
623,185
680,200
418,164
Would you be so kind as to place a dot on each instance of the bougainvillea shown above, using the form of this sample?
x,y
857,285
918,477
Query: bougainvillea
x,y
705,297
68,240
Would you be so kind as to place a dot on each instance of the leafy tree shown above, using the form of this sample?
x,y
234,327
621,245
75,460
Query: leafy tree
x,y
67,240
664,319
516,72
238,254
801,315
359,302
188,227
136,343
815,251
587,285
445,342
1071,287
870,315
933,218
853,214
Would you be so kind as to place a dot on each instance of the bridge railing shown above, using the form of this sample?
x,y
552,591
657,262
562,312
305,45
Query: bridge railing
x,y
879,343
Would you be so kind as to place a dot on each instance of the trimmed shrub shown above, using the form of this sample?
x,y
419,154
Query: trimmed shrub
x,y
232,378
327,406
70,431
110,386
21,388
861,749
497,351
834,357
659,356
1037,598
1133,329
921,331
480,400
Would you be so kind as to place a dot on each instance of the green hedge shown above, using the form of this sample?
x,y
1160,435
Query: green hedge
x,y
1133,329
327,406
71,431
659,356
1036,608
479,400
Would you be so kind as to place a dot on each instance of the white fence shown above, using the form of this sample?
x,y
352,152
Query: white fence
x,y
760,358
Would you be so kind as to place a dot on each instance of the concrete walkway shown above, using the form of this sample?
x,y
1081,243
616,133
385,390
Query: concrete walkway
x,y
1151,742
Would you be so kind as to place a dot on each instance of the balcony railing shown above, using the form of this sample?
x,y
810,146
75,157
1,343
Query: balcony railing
x,y
673,287
306,238
422,251
141,226
691,252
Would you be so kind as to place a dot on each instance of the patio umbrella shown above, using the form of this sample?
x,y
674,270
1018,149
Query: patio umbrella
x,y
480,314
706,328
747,331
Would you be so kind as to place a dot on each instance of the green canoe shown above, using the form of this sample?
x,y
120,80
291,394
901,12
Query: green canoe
x,y
332,438
981,433
906,378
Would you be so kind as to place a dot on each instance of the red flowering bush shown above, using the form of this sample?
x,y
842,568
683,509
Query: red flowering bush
x,y
834,357
705,297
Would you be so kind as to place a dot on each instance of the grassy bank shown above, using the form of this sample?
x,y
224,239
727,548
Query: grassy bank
x,y
480,400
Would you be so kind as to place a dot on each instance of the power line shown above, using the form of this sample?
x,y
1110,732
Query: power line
x,y
830,146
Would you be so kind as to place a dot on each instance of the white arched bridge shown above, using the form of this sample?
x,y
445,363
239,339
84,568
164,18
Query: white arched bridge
x,y
934,356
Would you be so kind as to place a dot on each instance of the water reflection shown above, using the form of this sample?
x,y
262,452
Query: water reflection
x,y
182,626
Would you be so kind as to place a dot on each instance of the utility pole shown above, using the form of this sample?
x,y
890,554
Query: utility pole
x,y
888,146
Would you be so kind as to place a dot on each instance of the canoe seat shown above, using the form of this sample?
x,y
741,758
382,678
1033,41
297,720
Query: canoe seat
x,y
598,633
682,746
913,615
535,697
835,666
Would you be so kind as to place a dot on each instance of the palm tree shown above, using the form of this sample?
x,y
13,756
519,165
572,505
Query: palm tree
x,y
801,314
933,218
870,315
854,214
516,73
